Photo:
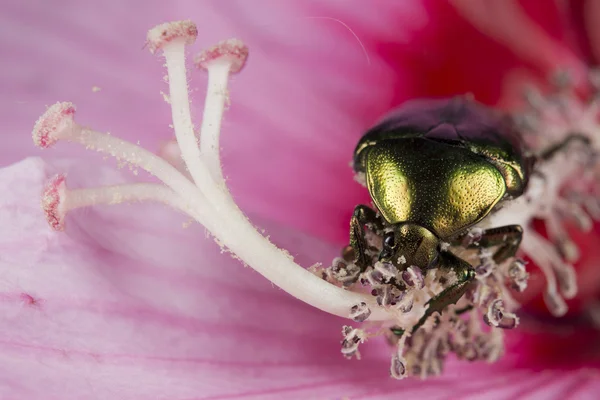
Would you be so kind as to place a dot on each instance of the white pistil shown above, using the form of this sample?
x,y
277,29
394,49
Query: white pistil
x,y
171,38
58,124
58,200
237,234
226,222
127,193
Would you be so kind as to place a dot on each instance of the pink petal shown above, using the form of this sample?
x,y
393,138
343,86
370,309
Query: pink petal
x,y
106,311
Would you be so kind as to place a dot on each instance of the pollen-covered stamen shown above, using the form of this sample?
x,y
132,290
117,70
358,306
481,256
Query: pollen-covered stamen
x,y
387,270
413,277
405,302
225,58
564,272
567,280
552,117
483,294
352,339
344,272
398,368
566,247
360,312
556,304
387,295
497,316
428,349
372,277
565,119
473,236
172,38
548,260
558,137
517,273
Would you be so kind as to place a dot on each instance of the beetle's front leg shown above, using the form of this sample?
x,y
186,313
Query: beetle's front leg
x,y
357,251
507,237
464,276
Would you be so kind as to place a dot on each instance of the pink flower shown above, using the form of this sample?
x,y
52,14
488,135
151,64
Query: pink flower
x,y
126,303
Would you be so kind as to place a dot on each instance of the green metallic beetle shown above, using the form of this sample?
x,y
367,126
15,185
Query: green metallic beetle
x,y
434,169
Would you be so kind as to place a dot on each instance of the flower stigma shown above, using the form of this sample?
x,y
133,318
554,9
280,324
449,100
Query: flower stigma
x,y
386,301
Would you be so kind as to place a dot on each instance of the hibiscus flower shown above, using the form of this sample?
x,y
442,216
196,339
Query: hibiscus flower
x,y
133,301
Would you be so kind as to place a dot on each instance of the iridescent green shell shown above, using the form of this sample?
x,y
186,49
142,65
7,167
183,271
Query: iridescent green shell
x,y
441,164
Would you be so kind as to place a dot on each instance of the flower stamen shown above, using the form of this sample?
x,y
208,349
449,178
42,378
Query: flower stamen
x,y
398,363
548,260
352,339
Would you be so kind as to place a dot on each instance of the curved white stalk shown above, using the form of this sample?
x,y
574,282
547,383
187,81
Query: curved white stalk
x,y
174,54
58,199
238,235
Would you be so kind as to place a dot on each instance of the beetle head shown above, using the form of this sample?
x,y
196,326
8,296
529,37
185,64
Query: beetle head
x,y
410,244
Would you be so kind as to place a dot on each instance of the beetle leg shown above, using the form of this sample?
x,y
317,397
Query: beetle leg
x,y
357,251
464,276
508,237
